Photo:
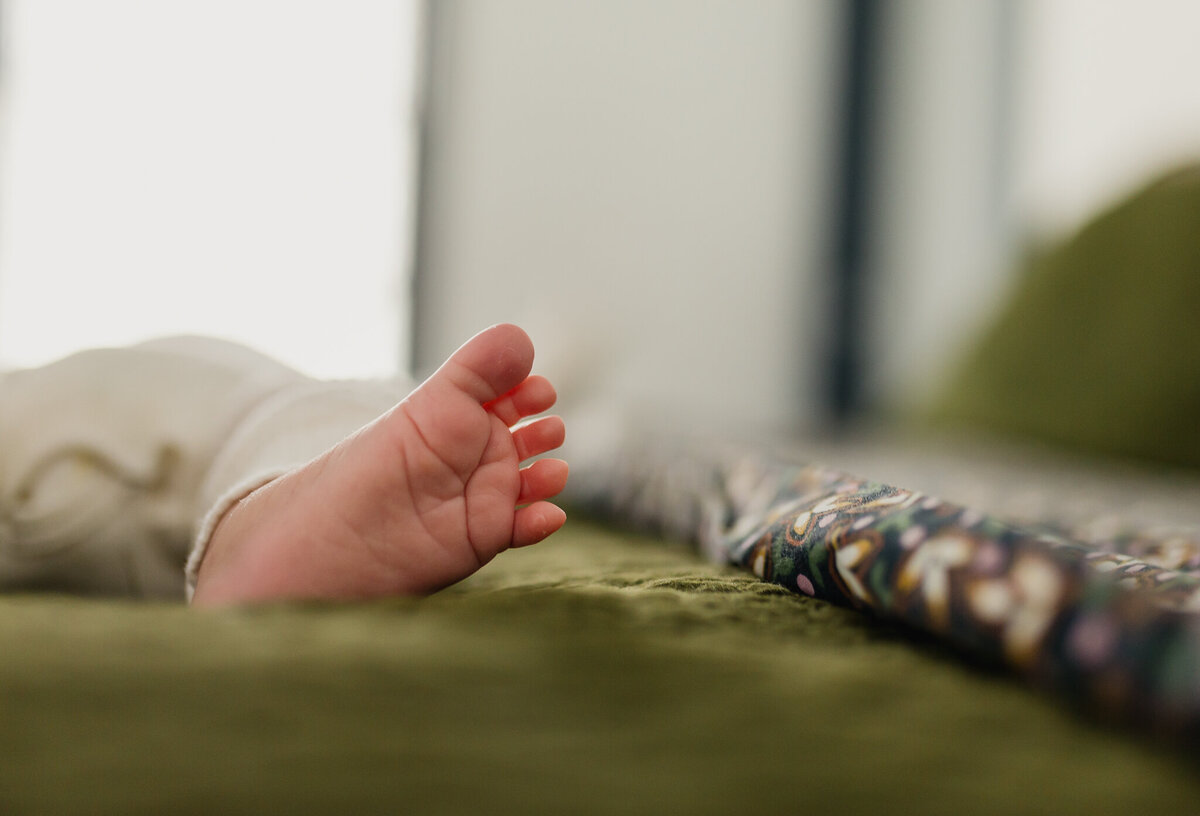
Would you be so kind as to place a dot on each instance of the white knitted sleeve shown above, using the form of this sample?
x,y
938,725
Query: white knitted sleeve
x,y
287,429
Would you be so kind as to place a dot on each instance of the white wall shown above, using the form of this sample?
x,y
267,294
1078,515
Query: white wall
x,y
642,185
228,167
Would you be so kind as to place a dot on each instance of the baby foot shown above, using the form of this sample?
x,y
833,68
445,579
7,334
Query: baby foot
x,y
420,498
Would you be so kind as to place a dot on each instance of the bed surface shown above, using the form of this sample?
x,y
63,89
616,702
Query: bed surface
x,y
598,672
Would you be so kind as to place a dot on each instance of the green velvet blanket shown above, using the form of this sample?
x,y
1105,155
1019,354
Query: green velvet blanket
x,y
596,673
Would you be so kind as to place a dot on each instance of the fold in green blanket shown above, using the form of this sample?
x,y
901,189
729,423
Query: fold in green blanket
x,y
1113,623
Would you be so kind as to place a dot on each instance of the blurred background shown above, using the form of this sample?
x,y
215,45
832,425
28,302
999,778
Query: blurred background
x,y
227,167
770,214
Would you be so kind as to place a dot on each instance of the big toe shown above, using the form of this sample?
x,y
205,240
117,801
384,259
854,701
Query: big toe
x,y
491,363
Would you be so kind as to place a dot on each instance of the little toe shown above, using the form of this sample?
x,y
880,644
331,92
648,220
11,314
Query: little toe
x,y
541,480
538,437
535,522
534,395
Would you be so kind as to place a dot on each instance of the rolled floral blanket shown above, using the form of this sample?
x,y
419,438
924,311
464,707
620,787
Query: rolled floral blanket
x,y
1111,622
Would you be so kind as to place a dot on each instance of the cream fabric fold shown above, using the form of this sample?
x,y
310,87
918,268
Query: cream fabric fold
x,y
116,464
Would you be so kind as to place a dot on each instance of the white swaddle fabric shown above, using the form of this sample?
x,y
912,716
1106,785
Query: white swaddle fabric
x,y
115,464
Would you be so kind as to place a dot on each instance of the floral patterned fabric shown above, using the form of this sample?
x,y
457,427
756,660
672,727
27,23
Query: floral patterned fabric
x,y
1111,621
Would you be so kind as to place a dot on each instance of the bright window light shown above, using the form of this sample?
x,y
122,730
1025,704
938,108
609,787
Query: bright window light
x,y
238,168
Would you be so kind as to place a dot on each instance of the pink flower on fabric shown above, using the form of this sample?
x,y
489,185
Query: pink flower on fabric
x,y
1092,640
862,522
990,557
912,537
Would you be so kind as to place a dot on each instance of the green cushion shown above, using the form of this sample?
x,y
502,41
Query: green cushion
x,y
594,673
1098,349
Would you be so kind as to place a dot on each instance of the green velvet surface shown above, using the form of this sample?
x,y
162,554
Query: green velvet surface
x,y
597,672
1098,348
